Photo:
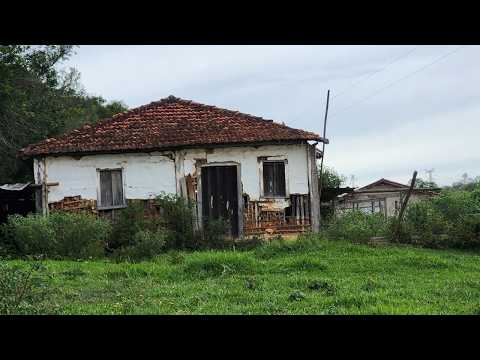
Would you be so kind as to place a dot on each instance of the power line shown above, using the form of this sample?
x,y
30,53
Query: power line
x,y
371,74
390,84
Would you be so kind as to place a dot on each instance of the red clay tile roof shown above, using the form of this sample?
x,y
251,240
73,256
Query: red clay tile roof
x,y
168,123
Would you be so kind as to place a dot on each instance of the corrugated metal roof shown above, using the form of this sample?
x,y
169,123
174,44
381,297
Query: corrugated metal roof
x,y
14,187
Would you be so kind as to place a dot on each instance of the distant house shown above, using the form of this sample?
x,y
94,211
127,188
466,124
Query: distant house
x,y
382,196
257,173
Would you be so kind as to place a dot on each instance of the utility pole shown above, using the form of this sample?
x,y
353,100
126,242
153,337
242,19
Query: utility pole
x,y
429,172
352,181
404,204
323,148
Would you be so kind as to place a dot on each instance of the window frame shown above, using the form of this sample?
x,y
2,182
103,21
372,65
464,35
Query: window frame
x,y
262,190
99,196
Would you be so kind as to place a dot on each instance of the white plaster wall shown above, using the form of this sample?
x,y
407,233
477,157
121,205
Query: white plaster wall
x,y
144,175
297,169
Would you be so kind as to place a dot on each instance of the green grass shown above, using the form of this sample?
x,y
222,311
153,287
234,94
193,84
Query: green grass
x,y
329,278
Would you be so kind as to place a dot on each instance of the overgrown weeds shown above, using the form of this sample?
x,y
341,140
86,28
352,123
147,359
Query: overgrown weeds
x,y
25,291
356,226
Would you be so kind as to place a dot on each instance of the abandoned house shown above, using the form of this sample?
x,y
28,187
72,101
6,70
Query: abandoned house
x,y
258,174
382,196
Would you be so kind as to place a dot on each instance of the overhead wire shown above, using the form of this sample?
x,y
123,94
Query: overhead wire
x,y
390,84
373,73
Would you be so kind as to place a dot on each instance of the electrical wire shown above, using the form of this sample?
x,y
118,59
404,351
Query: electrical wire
x,y
371,74
390,84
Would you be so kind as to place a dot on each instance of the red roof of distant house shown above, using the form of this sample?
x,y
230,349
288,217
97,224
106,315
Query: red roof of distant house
x,y
383,182
169,123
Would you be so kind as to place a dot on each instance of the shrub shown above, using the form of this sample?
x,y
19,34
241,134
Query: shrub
x,y
130,221
146,244
177,215
24,291
214,234
357,226
61,234
80,235
31,235
451,220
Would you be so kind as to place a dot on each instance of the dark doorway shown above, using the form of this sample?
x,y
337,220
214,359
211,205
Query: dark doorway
x,y
20,202
220,195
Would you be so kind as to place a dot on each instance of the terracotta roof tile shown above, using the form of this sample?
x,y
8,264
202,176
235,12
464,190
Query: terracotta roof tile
x,y
169,123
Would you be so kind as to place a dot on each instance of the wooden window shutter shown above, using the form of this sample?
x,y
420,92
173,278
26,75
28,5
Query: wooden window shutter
x,y
274,178
111,188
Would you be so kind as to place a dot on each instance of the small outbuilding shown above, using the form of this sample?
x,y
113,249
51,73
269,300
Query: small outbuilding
x,y
382,196
258,174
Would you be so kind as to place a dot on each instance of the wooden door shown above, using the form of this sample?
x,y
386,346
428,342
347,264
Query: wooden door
x,y
220,195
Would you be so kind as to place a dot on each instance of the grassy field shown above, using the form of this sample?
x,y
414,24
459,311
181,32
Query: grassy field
x,y
329,278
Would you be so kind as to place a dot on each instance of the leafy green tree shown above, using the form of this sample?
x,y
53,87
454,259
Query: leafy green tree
x,y
331,178
466,184
424,184
38,101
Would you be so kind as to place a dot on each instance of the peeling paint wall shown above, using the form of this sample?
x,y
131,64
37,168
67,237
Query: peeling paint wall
x,y
247,157
145,175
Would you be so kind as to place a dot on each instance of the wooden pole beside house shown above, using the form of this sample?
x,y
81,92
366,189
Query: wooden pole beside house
x,y
323,149
404,204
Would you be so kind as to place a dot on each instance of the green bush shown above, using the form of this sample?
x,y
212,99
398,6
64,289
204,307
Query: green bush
x,y
61,234
130,221
80,235
24,291
214,235
146,244
357,226
449,221
177,215
31,235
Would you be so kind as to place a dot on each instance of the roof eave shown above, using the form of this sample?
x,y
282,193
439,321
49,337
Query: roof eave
x,y
164,148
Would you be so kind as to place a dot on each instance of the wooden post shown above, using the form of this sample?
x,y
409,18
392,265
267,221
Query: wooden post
x,y
323,146
405,202
323,150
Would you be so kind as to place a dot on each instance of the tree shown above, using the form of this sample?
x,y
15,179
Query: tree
x,y
330,178
466,183
39,101
423,184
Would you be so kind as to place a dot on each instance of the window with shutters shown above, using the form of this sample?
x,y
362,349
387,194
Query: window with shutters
x,y
274,179
111,194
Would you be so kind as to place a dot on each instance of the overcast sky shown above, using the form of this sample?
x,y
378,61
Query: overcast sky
x,y
393,109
